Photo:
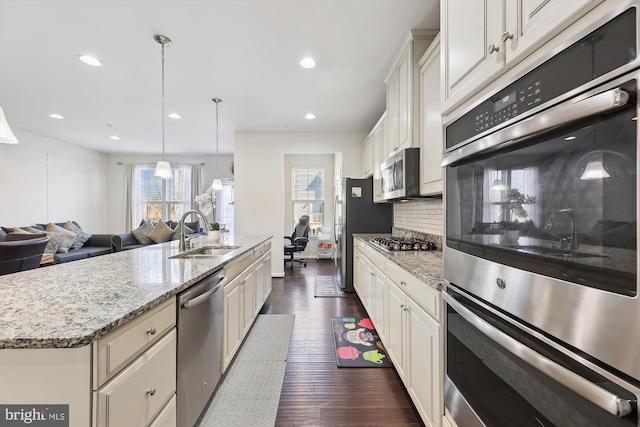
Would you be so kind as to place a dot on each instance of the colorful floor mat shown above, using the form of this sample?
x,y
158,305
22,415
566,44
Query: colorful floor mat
x,y
357,344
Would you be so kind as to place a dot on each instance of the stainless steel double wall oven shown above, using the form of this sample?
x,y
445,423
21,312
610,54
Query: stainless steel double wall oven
x,y
540,254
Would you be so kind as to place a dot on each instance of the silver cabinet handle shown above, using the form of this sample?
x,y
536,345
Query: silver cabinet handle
x,y
151,391
205,296
492,48
403,283
506,36
151,331
606,400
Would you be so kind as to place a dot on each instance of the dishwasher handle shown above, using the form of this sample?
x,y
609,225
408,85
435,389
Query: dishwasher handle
x,y
190,303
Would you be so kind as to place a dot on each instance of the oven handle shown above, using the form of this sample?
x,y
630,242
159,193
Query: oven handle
x,y
554,117
611,403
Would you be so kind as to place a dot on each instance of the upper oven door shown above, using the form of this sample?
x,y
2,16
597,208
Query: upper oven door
x,y
543,224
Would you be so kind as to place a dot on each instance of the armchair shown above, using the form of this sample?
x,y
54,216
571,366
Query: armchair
x,y
22,254
297,241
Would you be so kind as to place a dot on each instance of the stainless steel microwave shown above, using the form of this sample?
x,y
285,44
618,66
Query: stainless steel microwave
x,y
400,175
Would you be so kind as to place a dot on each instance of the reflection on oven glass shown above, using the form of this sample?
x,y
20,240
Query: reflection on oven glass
x,y
564,198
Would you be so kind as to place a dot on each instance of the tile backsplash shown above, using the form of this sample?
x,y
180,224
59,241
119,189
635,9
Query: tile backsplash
x,y
421,215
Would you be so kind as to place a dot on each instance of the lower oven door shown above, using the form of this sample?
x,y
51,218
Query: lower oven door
x,y
501,373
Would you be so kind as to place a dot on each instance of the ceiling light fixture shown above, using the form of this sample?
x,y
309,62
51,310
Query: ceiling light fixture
x,y
6,135
163,168
115,137
56,116
310,116
307,62
594,170
90,60
174,116
569,138
217,182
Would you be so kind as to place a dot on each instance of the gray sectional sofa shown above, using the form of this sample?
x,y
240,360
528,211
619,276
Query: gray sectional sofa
x,y
127,241
97,244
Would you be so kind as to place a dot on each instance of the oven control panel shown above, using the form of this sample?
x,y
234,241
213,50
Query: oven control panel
x,y
507,106
599,53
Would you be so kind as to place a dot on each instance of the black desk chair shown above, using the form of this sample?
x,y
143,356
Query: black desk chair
x,y
21,254
298,241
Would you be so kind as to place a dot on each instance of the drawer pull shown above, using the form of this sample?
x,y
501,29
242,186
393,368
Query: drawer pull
x,y
151,331
151,391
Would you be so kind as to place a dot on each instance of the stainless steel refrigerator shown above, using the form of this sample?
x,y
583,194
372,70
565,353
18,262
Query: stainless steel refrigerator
x,y
355,213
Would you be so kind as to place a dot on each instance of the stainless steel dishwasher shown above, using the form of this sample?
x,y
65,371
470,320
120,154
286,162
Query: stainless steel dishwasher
x,y
200,326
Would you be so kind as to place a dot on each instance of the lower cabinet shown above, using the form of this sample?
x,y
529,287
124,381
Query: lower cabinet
x,y
248,286
408,313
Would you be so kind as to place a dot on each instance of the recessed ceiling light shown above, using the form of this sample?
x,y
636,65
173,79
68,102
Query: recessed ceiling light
x,y
90,60
174,116
307,62
310,116
116,137
635,119
56,116
569,138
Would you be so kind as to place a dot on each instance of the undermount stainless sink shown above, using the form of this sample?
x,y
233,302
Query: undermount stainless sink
x,y
543,250
206,252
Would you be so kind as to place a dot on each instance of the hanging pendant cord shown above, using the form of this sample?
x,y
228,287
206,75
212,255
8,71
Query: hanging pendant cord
x,y
163,101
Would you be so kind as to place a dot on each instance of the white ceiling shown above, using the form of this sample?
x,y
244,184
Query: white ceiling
x,y
243,51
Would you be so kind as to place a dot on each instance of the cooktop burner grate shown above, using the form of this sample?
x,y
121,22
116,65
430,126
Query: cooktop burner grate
x,y
398,244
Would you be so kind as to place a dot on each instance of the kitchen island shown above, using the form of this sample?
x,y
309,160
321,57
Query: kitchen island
x,y
69,331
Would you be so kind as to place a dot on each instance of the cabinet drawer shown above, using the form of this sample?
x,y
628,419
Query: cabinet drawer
x,y
122,345
376,259
259,251
422,293
238,265
166,417
140,391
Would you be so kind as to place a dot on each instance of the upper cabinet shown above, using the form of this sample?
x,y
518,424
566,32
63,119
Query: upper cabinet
x,y
482,39
431,147
367,157
379,141
403,100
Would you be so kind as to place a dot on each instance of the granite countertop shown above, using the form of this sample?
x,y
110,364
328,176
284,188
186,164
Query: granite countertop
x,y
73,304
425,265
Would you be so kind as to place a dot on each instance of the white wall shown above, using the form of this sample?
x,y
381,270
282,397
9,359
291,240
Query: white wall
x,y
117,183
46,180
259,178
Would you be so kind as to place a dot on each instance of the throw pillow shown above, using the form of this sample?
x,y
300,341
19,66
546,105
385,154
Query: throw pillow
x,y
161,233
176,232
82,235
55,239
142,232
68,237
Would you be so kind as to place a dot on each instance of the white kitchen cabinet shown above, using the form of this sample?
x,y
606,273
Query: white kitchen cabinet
x,y
481,39
141,390
248,286
408,316
367,157
424,373
379,147
396,328
431,132
403,100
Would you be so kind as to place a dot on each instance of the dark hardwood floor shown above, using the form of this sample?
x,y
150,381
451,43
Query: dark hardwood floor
x,y
315,391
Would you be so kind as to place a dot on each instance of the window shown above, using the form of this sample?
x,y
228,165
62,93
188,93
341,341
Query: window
x,y
307,196
157,198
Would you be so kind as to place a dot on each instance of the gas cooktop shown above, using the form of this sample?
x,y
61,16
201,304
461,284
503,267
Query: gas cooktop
x,y
400,244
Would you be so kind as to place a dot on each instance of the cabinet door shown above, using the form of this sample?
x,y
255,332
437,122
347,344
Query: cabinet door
x,y
261,283
532,22
392,115
424,360
404,97
396,305
469,29
377,302
233,319
267,263
249,285
379,144
431,147
359,271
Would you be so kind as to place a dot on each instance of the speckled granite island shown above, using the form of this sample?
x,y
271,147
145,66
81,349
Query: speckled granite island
x,y
401,292
58,323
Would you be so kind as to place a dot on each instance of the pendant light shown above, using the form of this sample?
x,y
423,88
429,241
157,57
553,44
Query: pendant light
x,y
6,136
594,170
163,168
217,182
